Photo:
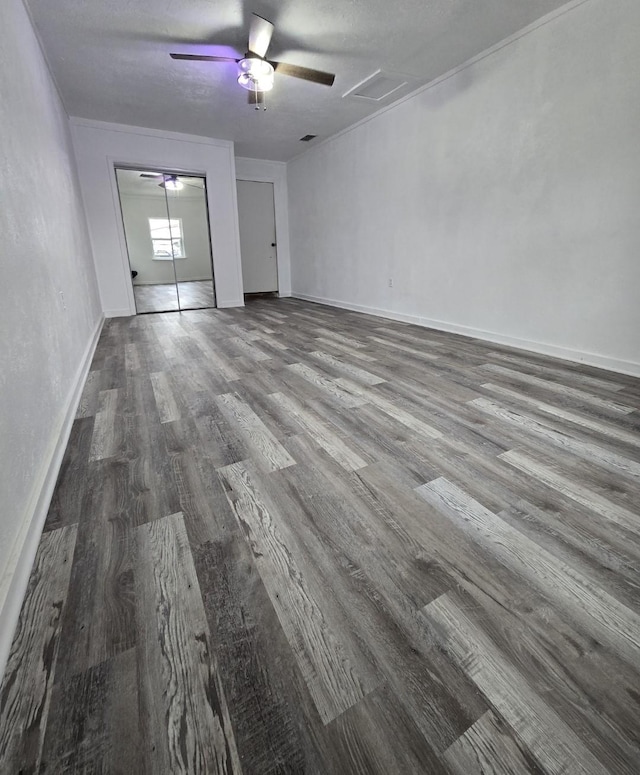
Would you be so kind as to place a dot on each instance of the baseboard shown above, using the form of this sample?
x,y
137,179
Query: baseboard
x,y
15,576
576,356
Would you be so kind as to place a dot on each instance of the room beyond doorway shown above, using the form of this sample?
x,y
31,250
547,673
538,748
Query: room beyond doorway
x,y
166,226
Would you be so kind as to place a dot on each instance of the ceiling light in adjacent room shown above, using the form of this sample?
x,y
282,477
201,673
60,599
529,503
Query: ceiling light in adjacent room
x,y
172,184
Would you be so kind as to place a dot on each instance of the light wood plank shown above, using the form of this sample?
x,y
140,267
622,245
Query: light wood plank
x,y
165,401
393,410
489,746
277,343
357,374
263,443
187,722
88,405
246,348
218,362
404,348
550,740
566,585
331,679
352,352
132,357
606,429
322,433
578,492
559,388
104,438
559,374
334,335
330,387
591,452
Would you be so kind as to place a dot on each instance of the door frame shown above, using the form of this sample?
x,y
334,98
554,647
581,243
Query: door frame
x,y
275,172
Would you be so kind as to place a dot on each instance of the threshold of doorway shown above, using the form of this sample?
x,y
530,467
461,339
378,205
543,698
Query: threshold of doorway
x,y
262,295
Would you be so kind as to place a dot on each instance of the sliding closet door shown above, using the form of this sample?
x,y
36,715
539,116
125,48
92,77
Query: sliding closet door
x,y
166,225
188,216
150,244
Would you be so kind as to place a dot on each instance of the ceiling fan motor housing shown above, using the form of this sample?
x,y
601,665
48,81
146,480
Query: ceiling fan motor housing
x,y
256,74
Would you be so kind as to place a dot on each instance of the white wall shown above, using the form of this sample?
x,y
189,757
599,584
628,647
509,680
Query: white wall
x,y
273,172
49,307
99,147
503,201
136,211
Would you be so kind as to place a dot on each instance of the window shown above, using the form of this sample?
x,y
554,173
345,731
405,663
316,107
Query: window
x,y
166,238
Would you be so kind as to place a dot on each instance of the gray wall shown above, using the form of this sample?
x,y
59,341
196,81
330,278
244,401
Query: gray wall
x,y
502,202
49,308
136,211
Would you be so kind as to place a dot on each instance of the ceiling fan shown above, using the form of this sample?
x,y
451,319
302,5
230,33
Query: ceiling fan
x,y
169,182
255,71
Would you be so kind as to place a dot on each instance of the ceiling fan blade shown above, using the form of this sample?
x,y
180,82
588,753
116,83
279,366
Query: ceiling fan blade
x,y
255,97
306,73
202,58
260,34
149,175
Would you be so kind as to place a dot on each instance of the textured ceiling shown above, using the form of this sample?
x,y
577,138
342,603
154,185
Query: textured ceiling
x,y
111,59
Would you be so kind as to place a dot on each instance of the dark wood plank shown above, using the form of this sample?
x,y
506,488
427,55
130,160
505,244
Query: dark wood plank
x,y
99,621
25,694
69,495
96,726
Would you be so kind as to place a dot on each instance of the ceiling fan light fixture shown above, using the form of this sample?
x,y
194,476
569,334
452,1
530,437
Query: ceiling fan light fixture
x,y
255,74
172,184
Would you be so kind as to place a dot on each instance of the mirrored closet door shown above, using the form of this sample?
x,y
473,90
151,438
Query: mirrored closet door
x,y
166,225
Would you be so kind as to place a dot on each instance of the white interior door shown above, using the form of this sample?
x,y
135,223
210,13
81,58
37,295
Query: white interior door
x,y
257,236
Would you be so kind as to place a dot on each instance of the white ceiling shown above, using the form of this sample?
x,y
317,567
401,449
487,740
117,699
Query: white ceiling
x,y
111,59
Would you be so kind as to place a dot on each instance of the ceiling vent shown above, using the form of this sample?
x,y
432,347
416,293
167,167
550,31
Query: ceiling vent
x,y
306,138
378,86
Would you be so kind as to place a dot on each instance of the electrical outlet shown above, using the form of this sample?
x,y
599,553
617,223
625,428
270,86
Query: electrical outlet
x,y
390,282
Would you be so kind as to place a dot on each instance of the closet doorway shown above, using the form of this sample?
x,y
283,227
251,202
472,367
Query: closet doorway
x,y
166,227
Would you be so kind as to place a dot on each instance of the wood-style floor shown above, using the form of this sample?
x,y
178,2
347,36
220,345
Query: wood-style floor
x,y
163,297
294,539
